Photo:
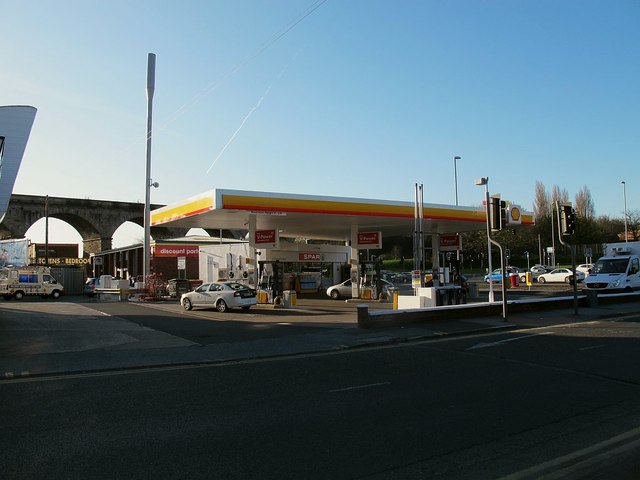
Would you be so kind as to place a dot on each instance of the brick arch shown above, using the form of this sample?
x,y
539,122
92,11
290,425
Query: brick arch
x,y
95,220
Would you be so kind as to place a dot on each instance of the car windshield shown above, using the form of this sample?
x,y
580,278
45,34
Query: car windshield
x,y
611,265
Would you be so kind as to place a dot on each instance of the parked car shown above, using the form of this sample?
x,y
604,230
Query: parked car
x,y
221,296
585,268
402,277
343,290
536,271
90,286
496,275
560,275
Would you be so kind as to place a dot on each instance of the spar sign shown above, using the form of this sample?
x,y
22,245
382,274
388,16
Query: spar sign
x,y
266,239
369,240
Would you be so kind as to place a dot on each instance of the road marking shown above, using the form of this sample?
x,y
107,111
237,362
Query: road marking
x,y
359,387
563,467
500,342
591,348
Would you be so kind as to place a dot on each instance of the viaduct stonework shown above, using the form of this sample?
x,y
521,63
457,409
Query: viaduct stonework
x,y
95,220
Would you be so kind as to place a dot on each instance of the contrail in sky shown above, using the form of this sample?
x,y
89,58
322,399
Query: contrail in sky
x,y
240,127
255,107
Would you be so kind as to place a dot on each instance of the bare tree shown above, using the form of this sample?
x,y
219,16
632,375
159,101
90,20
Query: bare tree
x,y
584,203
559,195
633,224
541,202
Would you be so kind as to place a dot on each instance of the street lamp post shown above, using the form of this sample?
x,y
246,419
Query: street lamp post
x,y
151,80
455,176
624,194
485,181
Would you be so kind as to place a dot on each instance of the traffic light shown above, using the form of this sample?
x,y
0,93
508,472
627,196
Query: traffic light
x,y
567,220
498,213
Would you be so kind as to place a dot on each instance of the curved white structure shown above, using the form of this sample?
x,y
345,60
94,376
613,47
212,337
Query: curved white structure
x,y
15,128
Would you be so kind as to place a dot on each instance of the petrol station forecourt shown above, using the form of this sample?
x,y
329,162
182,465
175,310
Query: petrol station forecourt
x,y
355,223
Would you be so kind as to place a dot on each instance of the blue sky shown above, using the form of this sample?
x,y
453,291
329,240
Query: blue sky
x,y
358,98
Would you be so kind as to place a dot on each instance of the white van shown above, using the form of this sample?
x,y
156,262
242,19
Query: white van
x,y
618,270
16,282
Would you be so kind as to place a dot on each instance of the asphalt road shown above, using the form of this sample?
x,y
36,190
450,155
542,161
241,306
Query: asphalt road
x,y
561,400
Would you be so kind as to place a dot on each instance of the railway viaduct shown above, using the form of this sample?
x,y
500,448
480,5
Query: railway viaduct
x,y
95,220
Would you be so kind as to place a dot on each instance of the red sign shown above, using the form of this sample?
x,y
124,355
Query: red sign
x,y
369,240
265,236
449,240
176,251
309,257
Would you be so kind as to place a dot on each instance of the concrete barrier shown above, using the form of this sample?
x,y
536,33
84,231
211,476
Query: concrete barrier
x,y
396,318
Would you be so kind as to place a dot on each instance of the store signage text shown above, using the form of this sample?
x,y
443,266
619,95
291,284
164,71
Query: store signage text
x,y
370,240
265,236
176,251
309,257
63,261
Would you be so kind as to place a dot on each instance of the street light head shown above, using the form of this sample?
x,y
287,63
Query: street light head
x,y
155,184
457,158
623,182
481,181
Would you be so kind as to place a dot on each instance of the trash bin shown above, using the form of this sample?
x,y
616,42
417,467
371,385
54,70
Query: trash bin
x,y
286,298
513,278
473,290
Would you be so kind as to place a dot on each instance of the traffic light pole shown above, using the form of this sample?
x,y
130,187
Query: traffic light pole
x,y
504,284
573,259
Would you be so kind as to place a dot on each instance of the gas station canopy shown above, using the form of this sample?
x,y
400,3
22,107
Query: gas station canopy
x,y
317,217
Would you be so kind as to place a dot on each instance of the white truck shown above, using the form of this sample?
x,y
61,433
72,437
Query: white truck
x,y
618,270
16,282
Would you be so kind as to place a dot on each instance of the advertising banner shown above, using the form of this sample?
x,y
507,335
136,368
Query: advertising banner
x,y
14,252
266,239
450,242
372,240
176,251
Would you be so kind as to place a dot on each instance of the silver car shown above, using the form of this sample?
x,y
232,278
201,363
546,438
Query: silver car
x,y
221,296
343,290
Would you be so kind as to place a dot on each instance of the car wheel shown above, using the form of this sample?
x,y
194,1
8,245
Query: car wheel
x,y
221,306
523,279
55,294
18,295
540,279
335,294
186,304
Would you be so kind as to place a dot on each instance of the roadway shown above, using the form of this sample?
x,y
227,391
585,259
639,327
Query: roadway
x,y
550,396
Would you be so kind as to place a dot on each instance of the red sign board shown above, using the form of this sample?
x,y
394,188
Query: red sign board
x,y
309,257
176,251
450,242
369,240
265,236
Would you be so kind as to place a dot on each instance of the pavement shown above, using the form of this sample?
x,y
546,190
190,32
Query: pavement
x,y
50,338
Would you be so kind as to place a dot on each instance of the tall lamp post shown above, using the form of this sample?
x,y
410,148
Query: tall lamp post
x,y
151,82
624,194
455,176
485,181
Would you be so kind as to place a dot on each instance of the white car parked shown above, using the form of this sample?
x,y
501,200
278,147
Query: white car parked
x,y
585,268
221,295
560,275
